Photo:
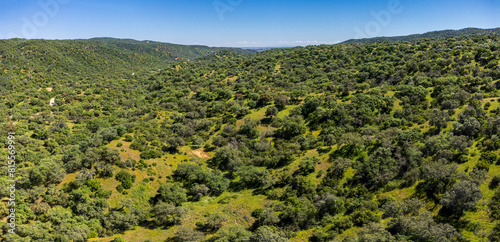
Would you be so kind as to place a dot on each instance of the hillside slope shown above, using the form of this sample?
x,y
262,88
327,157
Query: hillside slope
x,y
351,142
103,57
430,35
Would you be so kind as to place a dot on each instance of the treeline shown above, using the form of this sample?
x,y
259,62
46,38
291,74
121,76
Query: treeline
x,y
430,35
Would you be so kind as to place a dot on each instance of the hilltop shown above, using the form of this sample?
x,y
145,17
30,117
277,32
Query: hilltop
x,y
430,35
98,57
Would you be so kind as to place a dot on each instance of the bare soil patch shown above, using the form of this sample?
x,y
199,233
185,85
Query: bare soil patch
x,y
201,153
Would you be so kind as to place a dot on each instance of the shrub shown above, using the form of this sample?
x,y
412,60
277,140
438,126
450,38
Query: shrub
x,y
172,194
128,138
151,154
123,176
489,157
308,164
494,182
127,184
214,221
168,214
257,212
361,217
463,196
119,188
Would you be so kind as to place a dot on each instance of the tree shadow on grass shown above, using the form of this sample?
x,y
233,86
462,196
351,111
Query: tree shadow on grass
x,y
345,152
260,191
266,121
152,225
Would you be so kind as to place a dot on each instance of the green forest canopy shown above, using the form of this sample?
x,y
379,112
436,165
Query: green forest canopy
x,y
386,141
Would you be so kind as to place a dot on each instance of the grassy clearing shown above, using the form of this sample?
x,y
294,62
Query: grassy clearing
x,y
350,233
402,193
480,217
303,236
237,206
125,151
70,125
68,178
286,112
256,115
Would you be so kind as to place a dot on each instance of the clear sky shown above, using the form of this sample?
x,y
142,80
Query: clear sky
x,y
240,23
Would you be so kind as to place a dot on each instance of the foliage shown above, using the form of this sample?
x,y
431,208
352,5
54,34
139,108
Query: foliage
x,y
172,194
388,120
167,214
265,233
462,196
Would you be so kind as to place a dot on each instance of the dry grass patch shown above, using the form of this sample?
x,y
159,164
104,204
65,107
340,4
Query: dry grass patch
x,y
68,178
127,153
201,153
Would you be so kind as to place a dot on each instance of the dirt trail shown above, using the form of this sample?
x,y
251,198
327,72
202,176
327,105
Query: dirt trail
x,y
201,153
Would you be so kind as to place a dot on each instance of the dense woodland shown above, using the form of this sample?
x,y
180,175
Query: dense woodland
x,y
431,35
378,141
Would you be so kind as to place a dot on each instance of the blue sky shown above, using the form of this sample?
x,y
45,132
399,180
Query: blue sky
x,y
240,23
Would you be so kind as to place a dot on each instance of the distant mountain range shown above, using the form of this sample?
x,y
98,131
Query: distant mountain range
x,y
430,35
266,48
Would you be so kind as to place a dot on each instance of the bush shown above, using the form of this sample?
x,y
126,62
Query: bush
x,y
257,212
119,188
127,180
292,127
265,234
172,194
361,217
494,182
489,157
342,224
128,138
151,172
375,232
123,176
151,154
416,228
266,218
463,196
482,165
168,214
127,184
308,165
188,234
234,233
253,177
329,204
103,194
214,221
494,206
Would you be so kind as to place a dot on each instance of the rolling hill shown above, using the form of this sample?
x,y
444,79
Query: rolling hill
x,y
430,35
377,141
106,57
